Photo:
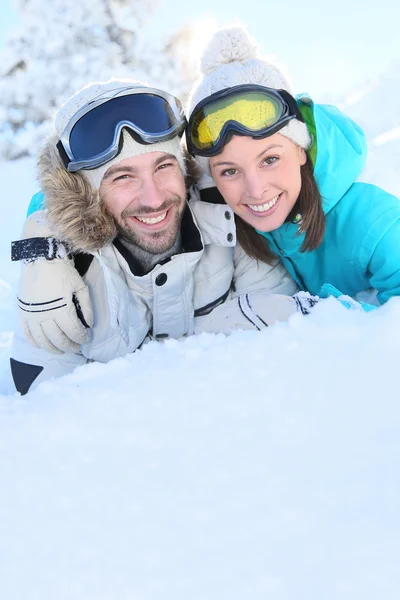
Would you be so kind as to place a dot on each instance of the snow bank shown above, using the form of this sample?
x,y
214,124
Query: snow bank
x,y
264,465
261,465
18,184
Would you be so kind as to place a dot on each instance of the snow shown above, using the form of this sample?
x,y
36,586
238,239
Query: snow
x,y
377,112
260,465
387,136
18,185
61,46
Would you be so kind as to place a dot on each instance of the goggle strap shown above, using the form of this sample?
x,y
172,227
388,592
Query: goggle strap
x,y
63,155
292,104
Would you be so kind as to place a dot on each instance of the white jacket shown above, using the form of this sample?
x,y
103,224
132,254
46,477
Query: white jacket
x,y
173,297
173,300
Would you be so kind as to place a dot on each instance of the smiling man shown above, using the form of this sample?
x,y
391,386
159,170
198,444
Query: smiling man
x,y
118,255
146,197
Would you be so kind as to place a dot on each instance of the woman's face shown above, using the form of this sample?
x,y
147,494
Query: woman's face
x,y
259,179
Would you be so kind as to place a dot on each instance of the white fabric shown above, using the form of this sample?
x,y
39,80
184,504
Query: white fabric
x,y
132,148
54,365
46,293
231,58
133,307
256,310
47,311
128,309
108,89
91,91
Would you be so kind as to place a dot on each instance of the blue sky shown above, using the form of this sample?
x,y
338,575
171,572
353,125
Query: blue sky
x,y
326,47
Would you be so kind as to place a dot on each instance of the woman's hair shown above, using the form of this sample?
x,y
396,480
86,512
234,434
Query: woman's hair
x,y
312,224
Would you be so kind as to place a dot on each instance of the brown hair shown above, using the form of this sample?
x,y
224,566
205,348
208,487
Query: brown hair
x,y
312,224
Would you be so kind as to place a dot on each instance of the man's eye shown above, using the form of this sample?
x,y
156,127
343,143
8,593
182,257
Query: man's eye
x,y
122,177
164,166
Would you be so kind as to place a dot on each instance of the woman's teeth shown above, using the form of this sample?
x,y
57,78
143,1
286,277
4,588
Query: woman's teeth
x,y
264,207
152,220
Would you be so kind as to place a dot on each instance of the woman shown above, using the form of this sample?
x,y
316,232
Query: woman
x,y
288,170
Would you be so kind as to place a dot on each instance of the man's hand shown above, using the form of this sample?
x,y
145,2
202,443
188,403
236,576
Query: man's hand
x,y
255,310
53,300
54,305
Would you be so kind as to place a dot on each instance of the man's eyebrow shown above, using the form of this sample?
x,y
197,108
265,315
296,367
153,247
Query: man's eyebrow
x,y
164,157
121,169
118,169
228,163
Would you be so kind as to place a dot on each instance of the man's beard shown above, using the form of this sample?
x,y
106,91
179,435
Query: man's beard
x,y
153,242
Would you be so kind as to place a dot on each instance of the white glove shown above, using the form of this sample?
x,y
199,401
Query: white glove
x,y
256,310
53,300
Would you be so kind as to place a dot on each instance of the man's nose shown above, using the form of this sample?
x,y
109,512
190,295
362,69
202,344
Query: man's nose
x,y
152,195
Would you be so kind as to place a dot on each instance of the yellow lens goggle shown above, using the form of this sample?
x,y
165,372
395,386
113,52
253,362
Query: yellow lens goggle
x,y
248,110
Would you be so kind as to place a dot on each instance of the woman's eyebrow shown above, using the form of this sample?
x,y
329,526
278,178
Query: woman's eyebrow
x,y
263,151
274,145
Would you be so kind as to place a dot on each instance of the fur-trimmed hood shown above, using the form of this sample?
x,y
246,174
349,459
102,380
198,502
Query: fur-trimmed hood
x,y
75,210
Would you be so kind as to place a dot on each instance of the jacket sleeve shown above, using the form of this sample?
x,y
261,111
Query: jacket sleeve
x,y
37,203
384,264
30,366
251,275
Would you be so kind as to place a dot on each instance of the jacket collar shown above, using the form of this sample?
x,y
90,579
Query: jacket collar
x,y
191,242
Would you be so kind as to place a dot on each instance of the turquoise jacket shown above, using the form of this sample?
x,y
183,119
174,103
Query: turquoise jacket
x,y
361,245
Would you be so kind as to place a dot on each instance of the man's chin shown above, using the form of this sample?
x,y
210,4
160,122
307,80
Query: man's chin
x,y
156,243
153,242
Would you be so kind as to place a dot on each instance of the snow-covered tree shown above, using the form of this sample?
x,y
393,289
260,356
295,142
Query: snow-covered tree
x,y
64,44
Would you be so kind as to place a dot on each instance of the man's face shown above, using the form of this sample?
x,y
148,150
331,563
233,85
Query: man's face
x,y
146,196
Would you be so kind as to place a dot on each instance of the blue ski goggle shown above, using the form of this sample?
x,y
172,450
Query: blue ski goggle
x,y
93,135
249,109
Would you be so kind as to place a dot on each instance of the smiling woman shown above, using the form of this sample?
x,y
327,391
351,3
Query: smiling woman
x,y
287,168
260,179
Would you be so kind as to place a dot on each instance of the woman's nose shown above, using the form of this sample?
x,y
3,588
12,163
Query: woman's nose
x,y
256,186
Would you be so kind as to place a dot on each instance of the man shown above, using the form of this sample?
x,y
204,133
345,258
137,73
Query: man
x,y
136,261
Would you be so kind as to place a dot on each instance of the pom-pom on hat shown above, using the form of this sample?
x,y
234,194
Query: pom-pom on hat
x,y
231,58
130,147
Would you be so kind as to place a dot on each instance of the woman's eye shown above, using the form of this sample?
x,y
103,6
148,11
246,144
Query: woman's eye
x,y
228,172
270,160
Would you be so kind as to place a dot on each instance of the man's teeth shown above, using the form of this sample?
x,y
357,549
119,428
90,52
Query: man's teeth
x,y
264,207
152,220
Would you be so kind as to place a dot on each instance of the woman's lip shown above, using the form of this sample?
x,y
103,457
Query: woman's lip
x,y
265,212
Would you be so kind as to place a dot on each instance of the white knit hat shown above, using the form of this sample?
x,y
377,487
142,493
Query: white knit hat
x,y
130,147
231,58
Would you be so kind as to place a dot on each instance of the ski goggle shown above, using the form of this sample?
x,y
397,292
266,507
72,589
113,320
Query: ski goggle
x,y
93,136
252,110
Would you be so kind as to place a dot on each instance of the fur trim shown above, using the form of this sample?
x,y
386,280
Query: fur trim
x,y
75,211
192,171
